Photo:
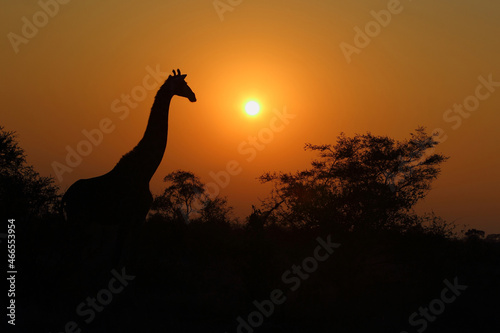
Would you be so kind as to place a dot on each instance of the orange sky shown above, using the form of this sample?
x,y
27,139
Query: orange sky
x,y
422,58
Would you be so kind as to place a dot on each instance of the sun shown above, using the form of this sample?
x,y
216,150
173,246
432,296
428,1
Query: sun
x,y
252,108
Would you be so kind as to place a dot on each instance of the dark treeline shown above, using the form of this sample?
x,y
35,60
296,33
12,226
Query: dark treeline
x,y
335,248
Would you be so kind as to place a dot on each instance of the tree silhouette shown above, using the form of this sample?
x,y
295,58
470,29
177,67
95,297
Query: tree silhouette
x,y
185,197
474,234
183,191
363,182
24,194
216,211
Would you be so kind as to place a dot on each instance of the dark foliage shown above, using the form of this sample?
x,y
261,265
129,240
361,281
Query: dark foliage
x,y
209,274
366,182
185,198
200,277
24,194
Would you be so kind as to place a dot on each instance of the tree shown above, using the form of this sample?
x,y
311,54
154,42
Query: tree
x,y
363,182
474,234
216,211
24,194
184,190
185,197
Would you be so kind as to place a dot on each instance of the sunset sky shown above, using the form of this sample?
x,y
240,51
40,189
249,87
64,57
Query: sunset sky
x,y
317,68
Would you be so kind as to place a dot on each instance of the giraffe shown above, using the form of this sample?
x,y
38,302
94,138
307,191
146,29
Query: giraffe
x,y
118,201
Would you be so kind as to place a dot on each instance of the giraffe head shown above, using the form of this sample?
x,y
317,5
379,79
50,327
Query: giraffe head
x,y
176,85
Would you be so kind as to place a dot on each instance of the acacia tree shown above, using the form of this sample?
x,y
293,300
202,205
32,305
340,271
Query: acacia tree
x,y
183,190
216,211
363,182
24,194
185,197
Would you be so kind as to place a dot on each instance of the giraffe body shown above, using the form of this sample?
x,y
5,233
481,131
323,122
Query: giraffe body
x,y
107,208
107,200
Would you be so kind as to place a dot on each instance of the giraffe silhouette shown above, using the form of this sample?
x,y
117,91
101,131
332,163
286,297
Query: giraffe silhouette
x,y
109,207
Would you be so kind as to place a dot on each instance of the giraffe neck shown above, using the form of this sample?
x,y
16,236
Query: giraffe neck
x,y
141,163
